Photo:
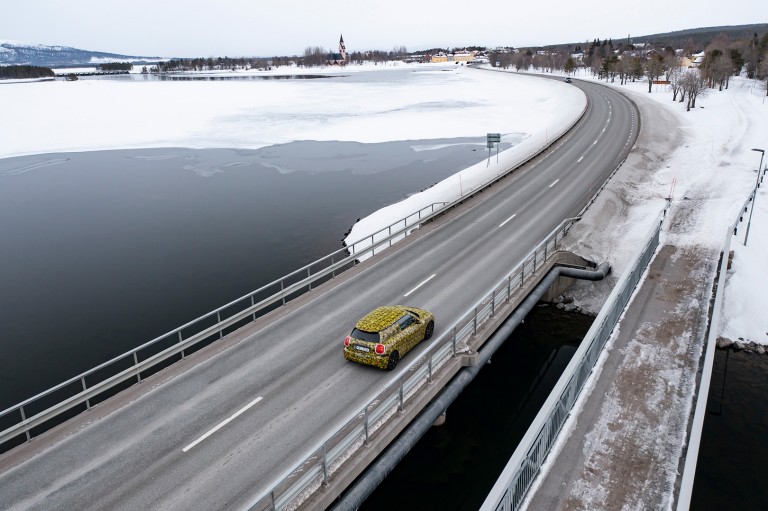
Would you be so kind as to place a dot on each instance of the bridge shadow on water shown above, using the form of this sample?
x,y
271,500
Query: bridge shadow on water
x,y
454,466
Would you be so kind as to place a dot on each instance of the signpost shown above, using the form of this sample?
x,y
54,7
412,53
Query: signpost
x,y
493,138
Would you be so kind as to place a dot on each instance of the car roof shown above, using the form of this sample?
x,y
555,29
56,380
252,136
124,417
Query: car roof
x,y
380,318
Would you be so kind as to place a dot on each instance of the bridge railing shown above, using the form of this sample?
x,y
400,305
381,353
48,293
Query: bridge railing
x,y
105,380
321,461
523,467
713,330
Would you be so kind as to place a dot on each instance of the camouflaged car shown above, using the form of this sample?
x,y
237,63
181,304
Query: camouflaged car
x,y
386,334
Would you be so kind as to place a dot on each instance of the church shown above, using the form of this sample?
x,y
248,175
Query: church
x,y
338,59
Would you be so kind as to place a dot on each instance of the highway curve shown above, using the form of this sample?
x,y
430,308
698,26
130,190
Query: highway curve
x,y
271,396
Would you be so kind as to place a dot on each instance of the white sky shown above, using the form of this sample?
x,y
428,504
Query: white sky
x,y
192,28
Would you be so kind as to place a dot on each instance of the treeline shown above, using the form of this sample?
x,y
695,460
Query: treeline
x,y
219,64
115,66
24,72
689,72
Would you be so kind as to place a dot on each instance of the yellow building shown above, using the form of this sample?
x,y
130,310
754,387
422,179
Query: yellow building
x,y
454,57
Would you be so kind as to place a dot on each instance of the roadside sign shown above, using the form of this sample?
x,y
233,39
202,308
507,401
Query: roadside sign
x,y
493,138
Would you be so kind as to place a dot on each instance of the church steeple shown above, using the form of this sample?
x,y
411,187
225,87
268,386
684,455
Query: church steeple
x,y
342,48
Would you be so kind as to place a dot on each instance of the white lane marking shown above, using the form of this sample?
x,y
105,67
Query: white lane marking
x,y
507,220
579,160
222,424
424,282
554,183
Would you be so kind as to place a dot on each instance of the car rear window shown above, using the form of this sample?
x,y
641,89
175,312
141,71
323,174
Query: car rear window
x,y
365,336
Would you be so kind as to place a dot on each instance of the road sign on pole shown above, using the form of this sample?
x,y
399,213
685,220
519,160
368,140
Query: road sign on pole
x,y
493,138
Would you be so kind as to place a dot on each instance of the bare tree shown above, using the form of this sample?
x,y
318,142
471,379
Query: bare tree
x,y
694,85
675,78
654,68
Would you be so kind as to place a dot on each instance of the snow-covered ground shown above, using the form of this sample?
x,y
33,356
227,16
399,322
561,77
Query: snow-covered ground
x,y
714,167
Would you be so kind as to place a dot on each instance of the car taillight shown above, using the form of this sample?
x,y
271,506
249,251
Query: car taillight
x,y
346,341
380,349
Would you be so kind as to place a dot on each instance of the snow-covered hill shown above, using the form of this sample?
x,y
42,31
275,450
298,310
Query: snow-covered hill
x,y
20,53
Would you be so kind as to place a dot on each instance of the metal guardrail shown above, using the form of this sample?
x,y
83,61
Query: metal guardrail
x,y
106,379
697,424
321,461
99,381
523,467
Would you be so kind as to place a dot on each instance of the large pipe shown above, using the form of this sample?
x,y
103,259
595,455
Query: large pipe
x,y
384,464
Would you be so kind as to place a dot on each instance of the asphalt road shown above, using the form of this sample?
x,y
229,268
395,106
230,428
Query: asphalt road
x,y
273,395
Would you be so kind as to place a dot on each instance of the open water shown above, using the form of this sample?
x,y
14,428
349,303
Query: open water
x,y
454,466
103,251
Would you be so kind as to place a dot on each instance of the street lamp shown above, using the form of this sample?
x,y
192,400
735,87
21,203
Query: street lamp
x,y
754,199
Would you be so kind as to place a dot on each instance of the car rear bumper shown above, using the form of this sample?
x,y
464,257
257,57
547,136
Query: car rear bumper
x,y
370,359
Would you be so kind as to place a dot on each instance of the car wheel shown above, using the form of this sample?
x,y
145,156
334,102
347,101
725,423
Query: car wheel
x,y
430,329
394,358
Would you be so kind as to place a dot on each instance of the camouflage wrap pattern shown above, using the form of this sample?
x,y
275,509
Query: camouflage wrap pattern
x,y
385,321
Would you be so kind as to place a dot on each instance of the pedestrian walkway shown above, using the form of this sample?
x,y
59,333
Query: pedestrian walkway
x,y
626,447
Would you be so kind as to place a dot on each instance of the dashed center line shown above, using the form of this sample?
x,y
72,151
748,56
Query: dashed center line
x,y
579,160
222,424
554,183
424,282
507,220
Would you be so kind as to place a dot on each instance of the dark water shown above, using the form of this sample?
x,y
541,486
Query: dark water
x,y
731,468
102,251
454,466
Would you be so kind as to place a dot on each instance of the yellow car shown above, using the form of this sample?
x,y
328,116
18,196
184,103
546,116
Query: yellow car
x,y
386,334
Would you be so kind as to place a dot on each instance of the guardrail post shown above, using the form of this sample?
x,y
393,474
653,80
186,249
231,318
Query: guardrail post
x,y
534,261
183,355
333,271
402,401
325,467
136,362
429,372
218,321
474,323
23,418
522,274
493,302
509,287
454,342
87,401
272,494
282,290
373,250
365,411
253,304
390,236
309,277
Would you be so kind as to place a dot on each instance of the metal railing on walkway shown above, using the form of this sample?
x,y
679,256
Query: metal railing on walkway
x,y
697,423
523,467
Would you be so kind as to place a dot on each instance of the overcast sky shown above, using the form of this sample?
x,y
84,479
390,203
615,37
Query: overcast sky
x,y
192,28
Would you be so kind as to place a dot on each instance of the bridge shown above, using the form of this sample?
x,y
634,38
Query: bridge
x,y
227,426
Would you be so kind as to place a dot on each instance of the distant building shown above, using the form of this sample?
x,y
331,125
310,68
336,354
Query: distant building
x,y
462,56
338,59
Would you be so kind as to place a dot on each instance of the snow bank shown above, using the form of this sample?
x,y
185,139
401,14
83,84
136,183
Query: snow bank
x,y
477,176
